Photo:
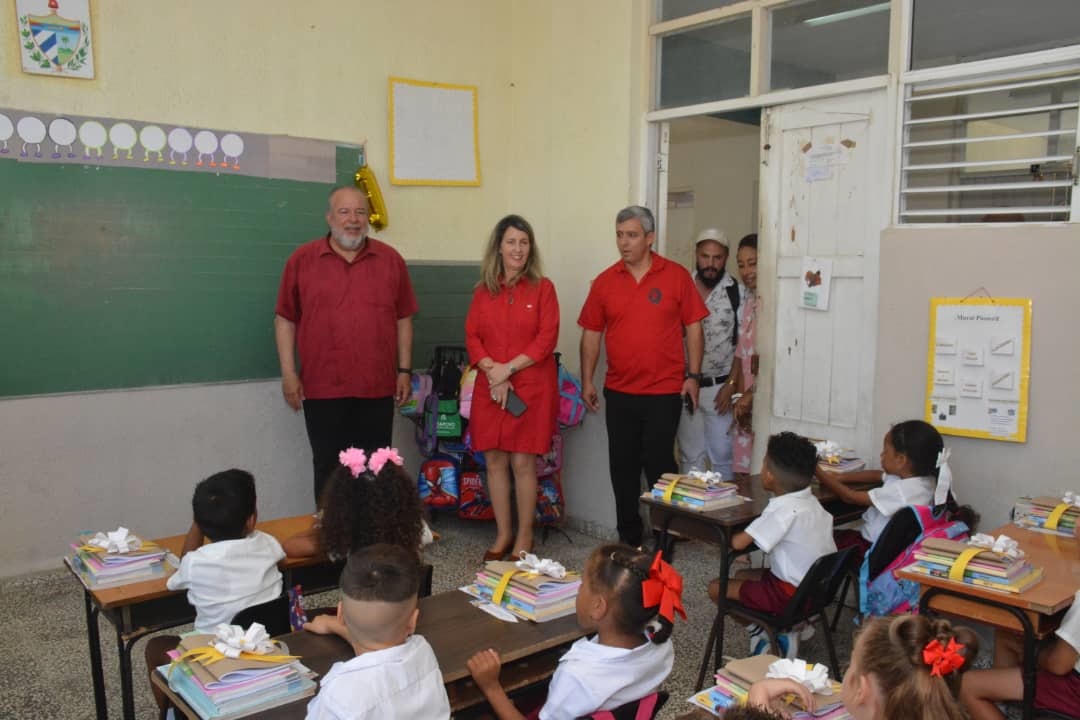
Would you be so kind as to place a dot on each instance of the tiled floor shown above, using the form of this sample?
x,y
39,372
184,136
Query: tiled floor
x,y
44,663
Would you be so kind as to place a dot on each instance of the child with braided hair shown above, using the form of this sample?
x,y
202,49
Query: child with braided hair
x,y
906,667
623,591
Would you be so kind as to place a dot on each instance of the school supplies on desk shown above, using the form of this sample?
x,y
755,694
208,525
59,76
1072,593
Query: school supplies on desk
x,y
974,565
1048,514
696,491
527,590
119,557
733,684
218,687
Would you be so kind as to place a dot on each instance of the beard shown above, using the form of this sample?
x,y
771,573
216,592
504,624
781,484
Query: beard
x,y
710,277
348,241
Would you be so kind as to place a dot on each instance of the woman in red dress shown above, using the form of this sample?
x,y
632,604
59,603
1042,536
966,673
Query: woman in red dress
x,y
510,332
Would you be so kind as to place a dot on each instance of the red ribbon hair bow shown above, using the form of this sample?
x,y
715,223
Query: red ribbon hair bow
x,y
663,588
943,659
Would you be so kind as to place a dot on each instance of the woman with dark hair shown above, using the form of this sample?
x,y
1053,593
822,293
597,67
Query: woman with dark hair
x,y
510,332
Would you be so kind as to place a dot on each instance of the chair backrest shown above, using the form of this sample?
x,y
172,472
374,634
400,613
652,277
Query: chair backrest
x,y
644,709
898,535
273,614
818,588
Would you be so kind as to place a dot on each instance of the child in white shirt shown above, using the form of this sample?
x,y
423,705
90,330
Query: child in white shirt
x,y
622,591
395,673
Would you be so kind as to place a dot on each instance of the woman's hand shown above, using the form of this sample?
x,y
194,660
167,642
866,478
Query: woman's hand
x,y
743,410
499,393
498,373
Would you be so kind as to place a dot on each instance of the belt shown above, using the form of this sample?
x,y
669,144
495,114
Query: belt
x,y
710,381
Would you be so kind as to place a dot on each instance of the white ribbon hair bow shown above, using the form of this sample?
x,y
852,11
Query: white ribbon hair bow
x,y
1003,545
815,678
547,566
944,482
119,540
708,476
231,640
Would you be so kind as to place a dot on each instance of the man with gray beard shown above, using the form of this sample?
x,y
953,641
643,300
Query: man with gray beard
x,y
345,304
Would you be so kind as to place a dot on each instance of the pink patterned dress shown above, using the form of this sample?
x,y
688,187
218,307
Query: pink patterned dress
x,y
744,350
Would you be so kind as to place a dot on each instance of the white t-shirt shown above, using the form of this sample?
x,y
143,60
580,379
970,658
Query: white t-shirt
x,y
399,682
894,494
795,531
593,677
1069,631
718,328
222,578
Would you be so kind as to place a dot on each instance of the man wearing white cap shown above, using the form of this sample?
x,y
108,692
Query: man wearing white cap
x,y
703,434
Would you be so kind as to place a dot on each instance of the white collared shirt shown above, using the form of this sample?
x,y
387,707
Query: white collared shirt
x,y
895,493
719,328
222,578
795,531
1069,631
593,677
399,682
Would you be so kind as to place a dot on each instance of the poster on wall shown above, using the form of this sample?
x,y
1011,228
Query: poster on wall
x,y
55,38
434,133
979,366
816,279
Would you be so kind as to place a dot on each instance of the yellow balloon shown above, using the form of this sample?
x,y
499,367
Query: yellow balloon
x,y
365,180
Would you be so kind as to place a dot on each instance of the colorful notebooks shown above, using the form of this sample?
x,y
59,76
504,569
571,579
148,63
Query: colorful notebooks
x,y
695,493
98,569
229,688
938,556
843,465
528,595
733,683
1038,512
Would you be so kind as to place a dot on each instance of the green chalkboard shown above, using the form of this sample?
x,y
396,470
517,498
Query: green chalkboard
x,y
115,277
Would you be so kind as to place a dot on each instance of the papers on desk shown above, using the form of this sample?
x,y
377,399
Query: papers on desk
x,y
233,688
938,557
101,567
694,493
527,595
733,683
1035,513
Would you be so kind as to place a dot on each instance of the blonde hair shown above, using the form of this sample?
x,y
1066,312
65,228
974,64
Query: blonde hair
x,y
491,266
892,651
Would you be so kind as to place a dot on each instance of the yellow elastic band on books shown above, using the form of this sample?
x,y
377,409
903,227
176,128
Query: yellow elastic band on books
x,y
956,572
500,587
207,655
1055,516
670,489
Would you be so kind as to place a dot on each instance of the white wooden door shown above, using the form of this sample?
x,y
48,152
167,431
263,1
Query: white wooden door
x,y
825,186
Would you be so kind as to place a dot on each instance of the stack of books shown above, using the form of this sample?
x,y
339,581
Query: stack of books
x,y
1032,513
988,569
834,458
99,568
733,684
695,492
527,595
231,688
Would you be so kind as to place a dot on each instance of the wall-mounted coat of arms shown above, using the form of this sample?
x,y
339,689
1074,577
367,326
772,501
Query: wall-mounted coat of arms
x,y
54,37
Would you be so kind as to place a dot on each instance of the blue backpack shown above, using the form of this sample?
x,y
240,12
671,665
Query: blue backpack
x,y
571,406
881,592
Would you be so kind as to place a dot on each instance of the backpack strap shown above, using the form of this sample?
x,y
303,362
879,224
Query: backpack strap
x,y
733,298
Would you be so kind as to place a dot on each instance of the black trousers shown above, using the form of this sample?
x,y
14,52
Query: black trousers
x,y
641,436
339,423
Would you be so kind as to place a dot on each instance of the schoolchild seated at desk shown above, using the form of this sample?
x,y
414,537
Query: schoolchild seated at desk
x,y
914,471
364,502
234,571
623,591
794,530
395,673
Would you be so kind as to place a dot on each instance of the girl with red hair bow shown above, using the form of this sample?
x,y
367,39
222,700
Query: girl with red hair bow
x,y
629,599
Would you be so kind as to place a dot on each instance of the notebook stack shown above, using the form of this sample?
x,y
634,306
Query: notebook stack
x,y
697,491
833,458
733,684
988,569
126,561
232,688
527,595
1035,513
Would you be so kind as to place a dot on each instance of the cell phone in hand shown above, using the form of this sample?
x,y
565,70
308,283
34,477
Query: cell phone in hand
x,y
514,404
689,403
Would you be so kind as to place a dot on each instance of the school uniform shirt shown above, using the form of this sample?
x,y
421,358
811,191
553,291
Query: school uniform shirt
x,y
1069,630
399,682
222,578
593,677
895,493
795,531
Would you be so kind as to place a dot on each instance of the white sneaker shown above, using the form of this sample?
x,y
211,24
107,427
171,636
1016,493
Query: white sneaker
x,y
806,631
791,641
759,641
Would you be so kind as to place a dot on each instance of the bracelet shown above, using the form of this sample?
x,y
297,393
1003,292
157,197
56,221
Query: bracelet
x,y
407,371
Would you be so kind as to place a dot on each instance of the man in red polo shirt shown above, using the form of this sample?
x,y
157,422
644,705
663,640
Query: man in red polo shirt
x,y
640,306
346,303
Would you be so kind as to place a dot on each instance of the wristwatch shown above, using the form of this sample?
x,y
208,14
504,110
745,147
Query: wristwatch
x,y
512,369
694,376
407,371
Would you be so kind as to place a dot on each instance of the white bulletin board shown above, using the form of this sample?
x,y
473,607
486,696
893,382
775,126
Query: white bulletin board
x,y
979,367
434,133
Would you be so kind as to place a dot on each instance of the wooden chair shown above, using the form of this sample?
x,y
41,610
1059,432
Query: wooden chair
x,y
273,614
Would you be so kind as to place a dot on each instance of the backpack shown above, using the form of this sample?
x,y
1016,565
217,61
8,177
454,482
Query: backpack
x,y
475,503
468,384
438,481
733,298
571,406
887,594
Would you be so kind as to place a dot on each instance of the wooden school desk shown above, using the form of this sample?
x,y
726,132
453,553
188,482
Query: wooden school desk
x,y
456,630
719,526
141,608
1035,613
